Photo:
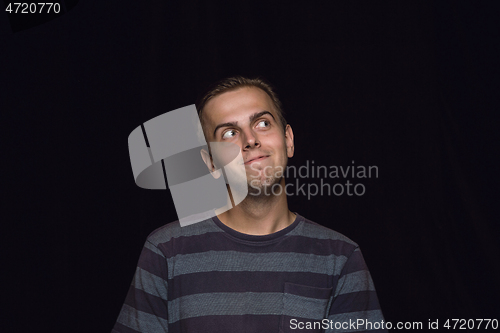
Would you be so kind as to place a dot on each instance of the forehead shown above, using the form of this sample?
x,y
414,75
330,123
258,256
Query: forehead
x,y
237,105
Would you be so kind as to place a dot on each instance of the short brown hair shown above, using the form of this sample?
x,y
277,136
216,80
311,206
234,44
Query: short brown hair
x,y
234,83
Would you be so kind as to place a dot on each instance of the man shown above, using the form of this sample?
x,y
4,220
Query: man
x,y
257,267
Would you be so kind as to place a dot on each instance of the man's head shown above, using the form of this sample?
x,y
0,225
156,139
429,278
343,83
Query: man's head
x,y
247,112
234,83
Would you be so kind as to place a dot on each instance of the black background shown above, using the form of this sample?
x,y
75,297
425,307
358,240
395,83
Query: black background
x,y
409,87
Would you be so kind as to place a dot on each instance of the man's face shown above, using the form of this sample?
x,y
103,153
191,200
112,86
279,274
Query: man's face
x,y
247,118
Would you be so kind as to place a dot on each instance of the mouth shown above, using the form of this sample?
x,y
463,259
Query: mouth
x,y
257,159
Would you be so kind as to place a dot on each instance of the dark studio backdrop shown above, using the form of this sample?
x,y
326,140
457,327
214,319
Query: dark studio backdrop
x,y
411,88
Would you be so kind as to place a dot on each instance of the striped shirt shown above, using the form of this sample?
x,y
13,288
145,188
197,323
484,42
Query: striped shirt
x,y
207,277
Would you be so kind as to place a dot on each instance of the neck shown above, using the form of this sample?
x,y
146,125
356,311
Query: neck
x,y
258,215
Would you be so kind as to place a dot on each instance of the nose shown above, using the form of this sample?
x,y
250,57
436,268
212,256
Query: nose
x,y
250,139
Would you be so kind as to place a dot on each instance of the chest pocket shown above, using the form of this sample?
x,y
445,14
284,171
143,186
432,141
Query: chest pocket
x,y
303,308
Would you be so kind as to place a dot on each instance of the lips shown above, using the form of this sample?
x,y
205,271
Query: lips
x,y
258,158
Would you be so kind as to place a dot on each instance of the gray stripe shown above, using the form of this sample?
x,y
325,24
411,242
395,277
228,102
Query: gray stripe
x,y
372,316
141,321
223,304
319,232
305,307
174,230
354,282
150,283
242,261
149,245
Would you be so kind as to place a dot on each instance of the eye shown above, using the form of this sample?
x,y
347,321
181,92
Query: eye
x,y
265,122
228,135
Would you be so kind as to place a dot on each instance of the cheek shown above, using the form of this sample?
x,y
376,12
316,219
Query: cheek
x,y
280,151
276,141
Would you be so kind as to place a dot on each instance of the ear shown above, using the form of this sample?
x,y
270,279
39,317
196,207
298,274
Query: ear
x,y
216,173
289,141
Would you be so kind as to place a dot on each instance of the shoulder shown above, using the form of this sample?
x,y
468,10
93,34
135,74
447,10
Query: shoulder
x,y
316,230
321,234
173,230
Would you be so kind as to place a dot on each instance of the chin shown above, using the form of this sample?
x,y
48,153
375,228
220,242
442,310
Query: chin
x,y
263,185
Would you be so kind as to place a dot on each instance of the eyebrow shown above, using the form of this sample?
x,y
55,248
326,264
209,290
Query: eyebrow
x,y
251,118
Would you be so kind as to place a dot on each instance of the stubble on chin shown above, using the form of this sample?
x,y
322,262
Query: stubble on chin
x,y
262,185
263,188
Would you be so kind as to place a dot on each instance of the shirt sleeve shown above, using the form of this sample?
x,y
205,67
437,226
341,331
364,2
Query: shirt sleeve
x,y
145,308
355,306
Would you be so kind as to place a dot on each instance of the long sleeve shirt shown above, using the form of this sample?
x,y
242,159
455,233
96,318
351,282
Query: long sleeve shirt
x,y
207,277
